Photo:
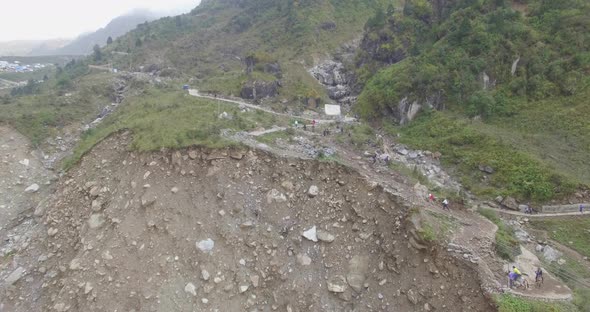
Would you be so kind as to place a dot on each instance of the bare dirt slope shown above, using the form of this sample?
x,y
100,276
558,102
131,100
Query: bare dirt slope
x,y
130,232
19,170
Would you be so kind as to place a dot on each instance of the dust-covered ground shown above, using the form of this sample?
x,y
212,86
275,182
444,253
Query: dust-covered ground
x,y
200,230
23,179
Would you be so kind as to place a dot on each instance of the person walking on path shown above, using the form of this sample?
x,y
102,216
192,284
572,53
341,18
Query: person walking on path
x,y
581,208
445,204
431,197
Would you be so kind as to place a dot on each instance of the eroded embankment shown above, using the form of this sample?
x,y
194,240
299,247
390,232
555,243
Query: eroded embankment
x,y
222,231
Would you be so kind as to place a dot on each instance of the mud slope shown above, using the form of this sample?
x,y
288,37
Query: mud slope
x,y
122,235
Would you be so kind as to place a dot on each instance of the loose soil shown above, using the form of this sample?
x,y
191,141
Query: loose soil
x,y
122,234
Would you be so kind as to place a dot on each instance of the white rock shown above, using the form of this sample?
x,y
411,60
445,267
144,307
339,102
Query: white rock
x,y
205,300
88,288
190,289
313,191
311,234
206,245
174,190
32,188
244,288
205,275
24,162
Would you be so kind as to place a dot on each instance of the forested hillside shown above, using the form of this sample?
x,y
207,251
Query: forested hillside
x,y
499,83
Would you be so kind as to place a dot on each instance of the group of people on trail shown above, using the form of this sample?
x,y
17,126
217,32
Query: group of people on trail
x,y
445,202
515,276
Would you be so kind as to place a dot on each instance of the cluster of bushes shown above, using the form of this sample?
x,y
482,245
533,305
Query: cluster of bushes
x,y
450,54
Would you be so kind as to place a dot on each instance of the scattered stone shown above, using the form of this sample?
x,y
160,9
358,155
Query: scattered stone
x,y
357,270
24,162
325,236
75,264
337,284
32,188
146,175
174,190
561,261
255,279
96,205
51,232
15,276
193,154
244,288
486,169
205,275
412,297
311,234
551,254
275,196
60,307
96,220
147,201
206,245
303,259
313,191
190,289
88,288
204,300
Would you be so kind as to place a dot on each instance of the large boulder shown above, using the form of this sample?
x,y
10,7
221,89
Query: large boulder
x,y
551,254
510,203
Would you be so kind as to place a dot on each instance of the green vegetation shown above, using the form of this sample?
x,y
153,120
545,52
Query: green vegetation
x,y
510,303
46,107
270,138
464,146
164,117
36,75
427,232
566,230
533,129
212,43
507,245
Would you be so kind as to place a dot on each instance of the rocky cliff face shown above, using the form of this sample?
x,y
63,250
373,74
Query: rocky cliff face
x,y
256,90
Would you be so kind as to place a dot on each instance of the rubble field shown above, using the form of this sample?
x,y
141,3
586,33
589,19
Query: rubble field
x,y
225,230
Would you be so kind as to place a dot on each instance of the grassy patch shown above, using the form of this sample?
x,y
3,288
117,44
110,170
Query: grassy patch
x,y
427,232
445,224
507,246
270,138
39,116
574,230
510,303
465,147
167,118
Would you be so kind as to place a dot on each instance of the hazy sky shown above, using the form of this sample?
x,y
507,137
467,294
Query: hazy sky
x,y
47,19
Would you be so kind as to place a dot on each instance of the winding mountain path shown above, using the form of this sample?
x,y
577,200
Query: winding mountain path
x,y
195,92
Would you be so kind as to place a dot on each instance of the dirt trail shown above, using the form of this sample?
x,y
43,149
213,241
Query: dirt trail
x,y
196,93
540,215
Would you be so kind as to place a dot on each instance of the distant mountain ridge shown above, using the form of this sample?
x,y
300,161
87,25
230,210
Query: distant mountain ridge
x,y
26,47
116,28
